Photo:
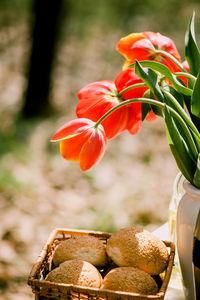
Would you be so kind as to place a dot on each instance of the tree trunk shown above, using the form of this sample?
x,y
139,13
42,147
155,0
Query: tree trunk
x,y
45,32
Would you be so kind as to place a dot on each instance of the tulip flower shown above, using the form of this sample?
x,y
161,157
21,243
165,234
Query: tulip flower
x,y
124,80
99,97
148,46
81,141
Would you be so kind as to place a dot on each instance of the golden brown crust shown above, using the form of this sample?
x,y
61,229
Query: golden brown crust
x,y
130,279
86,248
138,248
76,272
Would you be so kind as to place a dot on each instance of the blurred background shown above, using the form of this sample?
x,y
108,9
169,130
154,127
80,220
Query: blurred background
x,y
49,50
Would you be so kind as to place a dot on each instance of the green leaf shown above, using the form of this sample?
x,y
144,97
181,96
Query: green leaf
x,y
195,100
192,53
176,105
178,147
191,78
197,140
178,96
145,106
164,70
145,110
188,135
151,80
157,110
196,179
195,120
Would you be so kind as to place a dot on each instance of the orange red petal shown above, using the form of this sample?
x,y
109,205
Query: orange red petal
x,y
70,148
71,128
93,150
87,147
144,48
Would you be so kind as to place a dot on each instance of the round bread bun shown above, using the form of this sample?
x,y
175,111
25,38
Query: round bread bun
x,y
86,248
136,247
77,272
130,279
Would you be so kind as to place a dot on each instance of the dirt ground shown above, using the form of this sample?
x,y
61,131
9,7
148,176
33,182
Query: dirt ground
x,y
39,191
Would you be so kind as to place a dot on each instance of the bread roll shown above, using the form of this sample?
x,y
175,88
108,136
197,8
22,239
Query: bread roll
x,y
130,279
76,272
86,248
138,248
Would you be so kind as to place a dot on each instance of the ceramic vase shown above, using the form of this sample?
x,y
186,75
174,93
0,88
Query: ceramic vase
x,y
187,213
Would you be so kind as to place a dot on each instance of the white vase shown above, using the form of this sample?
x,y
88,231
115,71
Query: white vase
x,y
187,213
177,194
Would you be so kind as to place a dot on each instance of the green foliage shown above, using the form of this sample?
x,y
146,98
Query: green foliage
x,y
191,49
162,69
178,147
178,102
151,80
195,100
145,106
183,136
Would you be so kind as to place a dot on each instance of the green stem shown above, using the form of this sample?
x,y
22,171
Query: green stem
x,y
188,75
182,113
131,87
191,77
127,102
153,102
172,58
188,121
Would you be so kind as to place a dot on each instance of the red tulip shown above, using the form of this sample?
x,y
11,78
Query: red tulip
x,y
99,97
95,100
143,46
124,80
80,141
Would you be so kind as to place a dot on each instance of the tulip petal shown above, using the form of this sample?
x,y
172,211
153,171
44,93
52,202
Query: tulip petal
x,y
127,78
126,65
140,50
92,150
135,118
143,48
162,42
71,129
71,148
126,43
135,128
96,89
151,116
116,122
94,108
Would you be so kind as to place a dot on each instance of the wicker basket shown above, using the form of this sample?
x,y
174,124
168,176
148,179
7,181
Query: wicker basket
x,y
48,290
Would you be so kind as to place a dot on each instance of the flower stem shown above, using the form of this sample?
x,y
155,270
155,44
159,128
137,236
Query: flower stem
x,y
172,58
131,87
187,75
159,104
143,100
182,113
